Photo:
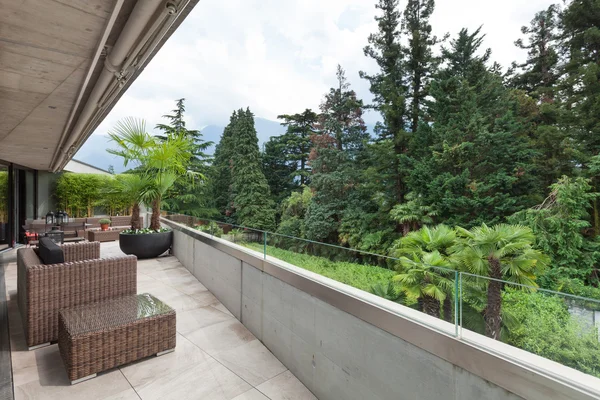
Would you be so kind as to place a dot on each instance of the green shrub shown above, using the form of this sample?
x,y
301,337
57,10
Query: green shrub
x,y
211,228
546,328
360,276
104,221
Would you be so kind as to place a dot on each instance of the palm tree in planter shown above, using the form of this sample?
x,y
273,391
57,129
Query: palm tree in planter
x,y
501,252
132,187
158,163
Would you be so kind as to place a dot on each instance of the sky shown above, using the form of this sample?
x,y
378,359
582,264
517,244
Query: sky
x,y
280,56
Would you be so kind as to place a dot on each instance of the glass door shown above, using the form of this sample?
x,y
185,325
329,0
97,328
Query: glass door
x,y
5,240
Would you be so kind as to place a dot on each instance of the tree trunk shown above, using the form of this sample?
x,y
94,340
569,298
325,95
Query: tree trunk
x,y
493,318
155,219
420,304
405,228
431,306
448,309
135,217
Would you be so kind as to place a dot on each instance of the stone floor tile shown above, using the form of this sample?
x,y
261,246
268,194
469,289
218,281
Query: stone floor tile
x,y
128,394
208,299
146,371
252,361
56,385
29,366
192,320
252,394
221,308
189,285
285,387
219,337
207,380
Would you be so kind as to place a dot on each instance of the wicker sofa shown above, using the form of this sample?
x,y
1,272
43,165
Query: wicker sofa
x,y
83,278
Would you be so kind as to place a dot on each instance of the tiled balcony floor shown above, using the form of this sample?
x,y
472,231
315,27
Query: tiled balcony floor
x,y
216,356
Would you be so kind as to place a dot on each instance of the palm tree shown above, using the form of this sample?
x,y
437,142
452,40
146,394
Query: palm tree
x,y
500,252
412,214
388,291
159,163
424,277
132,188
426,240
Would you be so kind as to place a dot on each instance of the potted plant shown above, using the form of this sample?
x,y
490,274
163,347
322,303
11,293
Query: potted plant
x,y
157,164
104,223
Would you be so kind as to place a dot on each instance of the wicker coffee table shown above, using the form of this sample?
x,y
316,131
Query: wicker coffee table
x,y
101,336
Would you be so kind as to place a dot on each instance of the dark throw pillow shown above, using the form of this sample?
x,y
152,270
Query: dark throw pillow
x,y
49,252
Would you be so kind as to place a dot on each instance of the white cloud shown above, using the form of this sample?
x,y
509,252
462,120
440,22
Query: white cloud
x,y
280,56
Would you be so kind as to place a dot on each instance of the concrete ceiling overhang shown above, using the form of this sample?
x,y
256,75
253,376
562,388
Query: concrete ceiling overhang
x,y
65,63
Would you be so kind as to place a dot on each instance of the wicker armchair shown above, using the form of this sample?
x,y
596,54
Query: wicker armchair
x,y
83,278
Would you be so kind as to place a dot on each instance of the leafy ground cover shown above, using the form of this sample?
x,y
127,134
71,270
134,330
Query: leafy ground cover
x,y
360,276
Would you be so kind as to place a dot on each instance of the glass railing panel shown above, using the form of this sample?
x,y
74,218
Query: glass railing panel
x,y
231,233
428,289
560,327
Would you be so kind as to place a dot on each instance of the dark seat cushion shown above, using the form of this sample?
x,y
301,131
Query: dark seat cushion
x,y
49,252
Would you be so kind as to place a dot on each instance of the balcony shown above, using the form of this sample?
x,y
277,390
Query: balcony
x,y
250,326
216,356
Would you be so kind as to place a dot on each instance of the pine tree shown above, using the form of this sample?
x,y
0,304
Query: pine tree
x,y
188,196
539,73
296,142
177,126
278,169
580,86
221,178
389,87
581,79
252,202
341,116
420,63
479,167
538,101
342,137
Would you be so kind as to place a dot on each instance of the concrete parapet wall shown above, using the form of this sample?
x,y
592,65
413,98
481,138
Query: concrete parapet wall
x,y
343,343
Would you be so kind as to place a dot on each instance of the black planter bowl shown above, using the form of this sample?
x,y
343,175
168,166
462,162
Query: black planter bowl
x,y
146,245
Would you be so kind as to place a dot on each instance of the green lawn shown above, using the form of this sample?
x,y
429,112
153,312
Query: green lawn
x,y
356,275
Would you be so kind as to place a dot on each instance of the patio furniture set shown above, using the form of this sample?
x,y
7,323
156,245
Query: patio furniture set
x,y
77,229
90,306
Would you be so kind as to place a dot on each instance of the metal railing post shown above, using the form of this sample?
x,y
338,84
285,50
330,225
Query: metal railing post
x,y
456,302
460,296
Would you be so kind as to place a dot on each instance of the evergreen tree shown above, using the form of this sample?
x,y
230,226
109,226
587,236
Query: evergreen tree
x,y
278,170
478,169
221,178
389,87
539,73
581,80
295,143
334,150
580,85
251,196
341,116
538,103
188,196
177,126
420,63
